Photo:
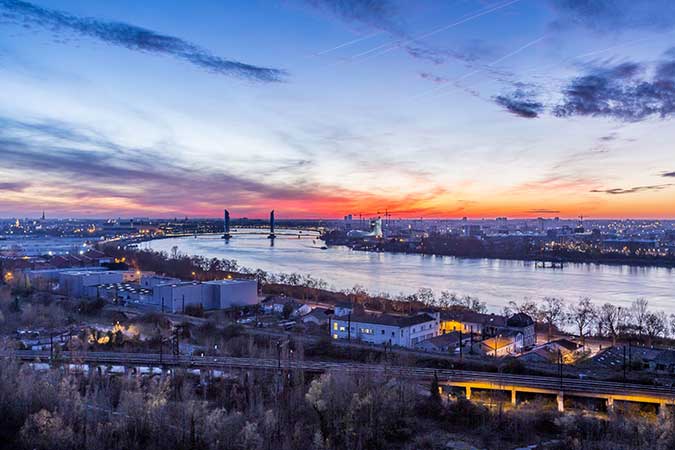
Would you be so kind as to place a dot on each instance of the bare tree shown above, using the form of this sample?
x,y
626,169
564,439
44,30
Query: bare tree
x,y
527,306
656,325
610,319
581,315
639,313
552,311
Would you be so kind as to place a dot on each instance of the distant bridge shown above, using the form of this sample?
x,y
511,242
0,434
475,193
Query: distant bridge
x,y
468,380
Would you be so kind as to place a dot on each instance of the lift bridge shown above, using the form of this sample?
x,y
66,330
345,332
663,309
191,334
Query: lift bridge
x,y
228,232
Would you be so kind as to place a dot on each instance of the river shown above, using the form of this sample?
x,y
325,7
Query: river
x,y
494,281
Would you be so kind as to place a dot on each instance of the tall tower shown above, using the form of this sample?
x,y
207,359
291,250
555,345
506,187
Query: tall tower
x,y
43,215
226,224
272,235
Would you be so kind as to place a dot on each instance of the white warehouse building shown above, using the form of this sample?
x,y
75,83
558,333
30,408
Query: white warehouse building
x,y
221,294
75,283
385,328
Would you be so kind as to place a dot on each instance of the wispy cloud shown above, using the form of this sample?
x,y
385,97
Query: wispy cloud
x,y
13,186
433,78
615,15
132,37
380,14
633,190
542,211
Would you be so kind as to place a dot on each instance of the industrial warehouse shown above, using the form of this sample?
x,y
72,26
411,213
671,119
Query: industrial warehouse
x,y
146,289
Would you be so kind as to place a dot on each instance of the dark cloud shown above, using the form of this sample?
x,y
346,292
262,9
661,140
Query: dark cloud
x,y
633,190
615,15
433,78
381,14
15,186
542,211
131,37
668,174
621,92
521,102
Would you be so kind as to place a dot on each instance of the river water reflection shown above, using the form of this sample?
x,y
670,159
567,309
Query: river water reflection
x,y
493,281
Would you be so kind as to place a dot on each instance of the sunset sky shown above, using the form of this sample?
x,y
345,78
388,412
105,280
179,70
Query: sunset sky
x,y
319,108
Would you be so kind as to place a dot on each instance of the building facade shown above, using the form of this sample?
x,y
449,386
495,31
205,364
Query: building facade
x,y
386,329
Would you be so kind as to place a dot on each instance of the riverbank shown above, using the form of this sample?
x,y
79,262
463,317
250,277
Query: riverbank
x,y
476,252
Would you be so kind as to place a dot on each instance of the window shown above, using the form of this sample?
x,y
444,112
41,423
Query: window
x,y
335,326
343,329
382,331
335,336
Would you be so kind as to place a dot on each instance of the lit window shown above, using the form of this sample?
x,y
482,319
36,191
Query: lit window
x,y
335,326
335,336
342,329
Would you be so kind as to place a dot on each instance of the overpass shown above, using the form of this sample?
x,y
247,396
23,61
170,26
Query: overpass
x,y
559,387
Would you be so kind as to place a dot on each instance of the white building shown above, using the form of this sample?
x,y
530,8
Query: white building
x,y
219,294
176,297
228,293
385,328
149,281
75,284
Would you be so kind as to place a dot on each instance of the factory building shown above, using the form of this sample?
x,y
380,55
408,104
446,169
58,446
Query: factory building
x,y
228,293
221,294
75,284
150,280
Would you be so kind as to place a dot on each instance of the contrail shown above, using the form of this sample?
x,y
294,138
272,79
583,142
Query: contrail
x,y
596,52
493,63
397,44
347,44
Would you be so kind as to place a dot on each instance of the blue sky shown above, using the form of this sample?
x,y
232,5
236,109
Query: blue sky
x,y
323,108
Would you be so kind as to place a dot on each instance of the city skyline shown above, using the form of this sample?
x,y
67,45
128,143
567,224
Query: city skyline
x,y
511,108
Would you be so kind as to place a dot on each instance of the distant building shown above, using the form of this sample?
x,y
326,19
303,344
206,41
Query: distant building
x,y
385,328
489,325
220,294
230,293
445,343
277,304
75,284
318,316
508,343
149,281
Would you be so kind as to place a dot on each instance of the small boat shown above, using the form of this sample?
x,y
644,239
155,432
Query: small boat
x,y
324,248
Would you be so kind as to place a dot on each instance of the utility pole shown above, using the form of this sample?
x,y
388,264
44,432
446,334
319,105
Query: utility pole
x,y
624,364
460,344
560,366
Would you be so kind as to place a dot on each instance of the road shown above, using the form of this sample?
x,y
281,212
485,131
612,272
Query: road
x,y
469,380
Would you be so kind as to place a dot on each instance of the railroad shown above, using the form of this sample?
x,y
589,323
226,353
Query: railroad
x,y
466,379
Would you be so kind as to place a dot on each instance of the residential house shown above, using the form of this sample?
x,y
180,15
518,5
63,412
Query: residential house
x,y
318,316
445,343
404,331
